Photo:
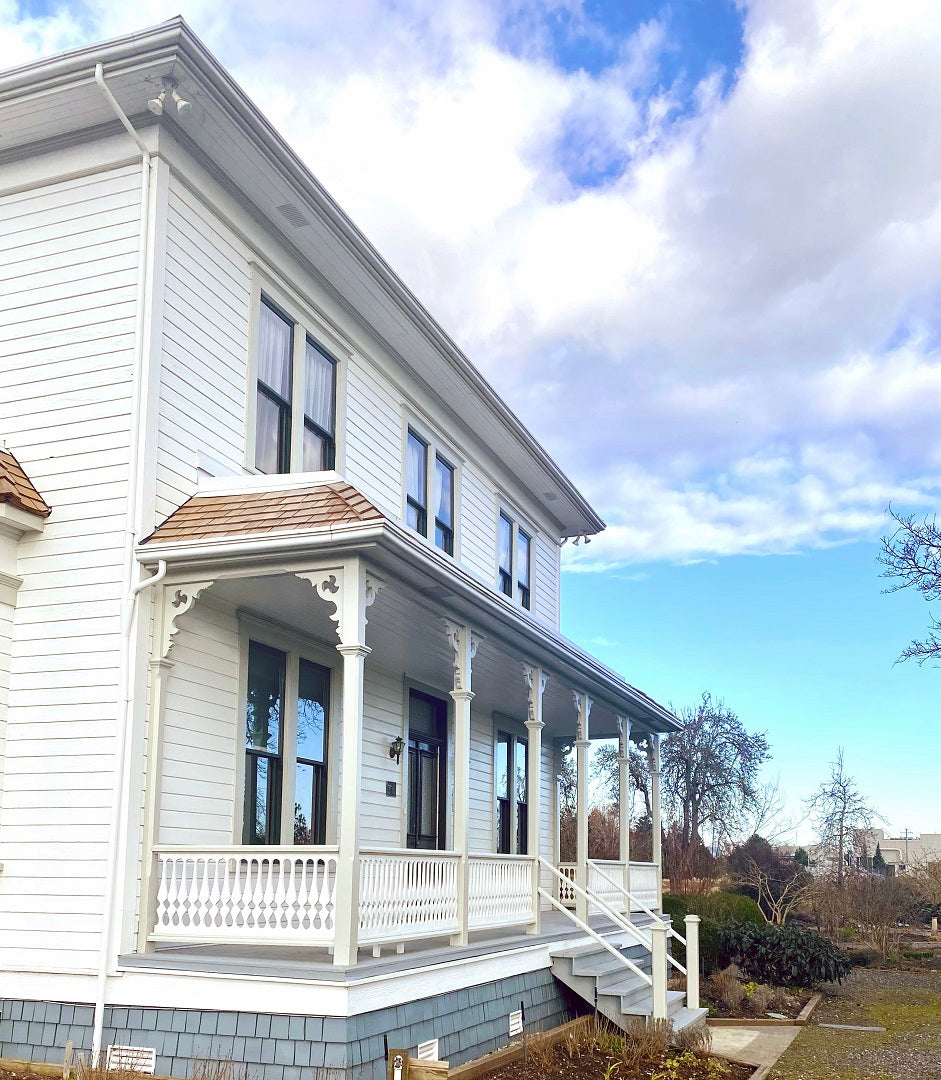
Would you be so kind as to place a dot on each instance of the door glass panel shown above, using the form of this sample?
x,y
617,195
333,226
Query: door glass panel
x,y
429,794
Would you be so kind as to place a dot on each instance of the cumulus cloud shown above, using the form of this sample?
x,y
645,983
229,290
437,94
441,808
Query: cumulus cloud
x,y
714,298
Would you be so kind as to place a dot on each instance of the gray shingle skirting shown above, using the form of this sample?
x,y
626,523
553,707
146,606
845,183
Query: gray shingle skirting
x,y
467,1023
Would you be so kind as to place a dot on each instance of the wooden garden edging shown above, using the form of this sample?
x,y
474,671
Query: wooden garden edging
x,y
767,1021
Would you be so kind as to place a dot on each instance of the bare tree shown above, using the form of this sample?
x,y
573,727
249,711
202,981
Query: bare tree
x,y
925,873
912,558
779,889
768,815
840,814
604,771
710,771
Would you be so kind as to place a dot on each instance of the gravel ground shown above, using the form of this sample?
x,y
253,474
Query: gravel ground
x,y
907,1004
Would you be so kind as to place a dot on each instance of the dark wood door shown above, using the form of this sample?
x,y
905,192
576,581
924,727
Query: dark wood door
x,y
427,770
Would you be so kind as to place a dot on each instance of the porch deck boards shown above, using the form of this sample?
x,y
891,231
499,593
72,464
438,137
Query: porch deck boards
x,y
314,964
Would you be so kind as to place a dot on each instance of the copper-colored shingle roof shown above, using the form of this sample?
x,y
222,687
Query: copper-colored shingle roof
x,y
16,489
207,517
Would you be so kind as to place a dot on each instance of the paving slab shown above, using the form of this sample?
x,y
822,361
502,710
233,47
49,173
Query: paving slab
x,y
755,1046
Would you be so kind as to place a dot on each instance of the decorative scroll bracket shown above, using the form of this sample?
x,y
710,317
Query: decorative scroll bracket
x,y
464,643
624,734
350,591
178,599
583,708
536,682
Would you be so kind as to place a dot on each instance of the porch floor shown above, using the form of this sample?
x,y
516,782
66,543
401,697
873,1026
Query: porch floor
x,y
314,964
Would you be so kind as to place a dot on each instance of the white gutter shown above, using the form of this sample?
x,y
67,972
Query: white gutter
x,y
130,586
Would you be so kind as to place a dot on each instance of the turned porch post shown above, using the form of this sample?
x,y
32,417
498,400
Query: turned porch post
x,y
583,708
624,805
464,645
653,762
351,590
536,680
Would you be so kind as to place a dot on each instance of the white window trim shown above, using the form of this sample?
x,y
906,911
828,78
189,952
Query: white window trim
x,y
438,446
296,646
519,523
307,324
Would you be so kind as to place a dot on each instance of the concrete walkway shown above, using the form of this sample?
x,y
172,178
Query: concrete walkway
x,y
753,1045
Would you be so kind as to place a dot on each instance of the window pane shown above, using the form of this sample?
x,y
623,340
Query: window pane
x,y
519,747
415,518
319,387
268,439
274,351
429,794
502,765
304,804
259,788
312,692
505,544
315,451
522,558
444,492
415,470
265,698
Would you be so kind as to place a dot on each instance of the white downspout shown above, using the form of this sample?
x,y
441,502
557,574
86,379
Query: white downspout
x,y
130,587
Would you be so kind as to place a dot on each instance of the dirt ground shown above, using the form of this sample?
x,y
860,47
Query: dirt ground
x,y
906,1003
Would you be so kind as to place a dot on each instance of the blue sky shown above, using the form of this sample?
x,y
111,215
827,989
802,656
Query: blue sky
x,y
695,246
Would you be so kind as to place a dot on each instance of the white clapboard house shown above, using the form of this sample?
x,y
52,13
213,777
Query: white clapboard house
x,y
283,697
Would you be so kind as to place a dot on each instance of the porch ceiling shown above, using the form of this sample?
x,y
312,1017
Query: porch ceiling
x,y
406,633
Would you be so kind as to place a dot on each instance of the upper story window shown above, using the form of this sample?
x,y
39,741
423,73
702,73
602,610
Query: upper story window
x,y
429,492
514,560
295,406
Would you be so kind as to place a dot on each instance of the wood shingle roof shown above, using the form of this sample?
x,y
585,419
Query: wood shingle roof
x,y
17,489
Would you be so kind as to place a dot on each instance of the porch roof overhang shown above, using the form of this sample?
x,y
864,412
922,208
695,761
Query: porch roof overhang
x,y
401,554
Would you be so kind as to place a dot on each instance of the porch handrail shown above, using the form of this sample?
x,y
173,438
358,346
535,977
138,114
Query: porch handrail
x,y
626,961
643,907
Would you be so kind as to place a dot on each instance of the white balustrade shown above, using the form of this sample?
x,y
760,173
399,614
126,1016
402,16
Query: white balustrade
x,y
644,883
406,895
566,892
248,894
598,871
500,890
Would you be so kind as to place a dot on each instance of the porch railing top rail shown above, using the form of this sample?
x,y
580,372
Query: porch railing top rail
x,y
257,850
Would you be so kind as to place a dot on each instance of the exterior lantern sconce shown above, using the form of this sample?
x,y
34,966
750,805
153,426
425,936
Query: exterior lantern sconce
x,y
396,748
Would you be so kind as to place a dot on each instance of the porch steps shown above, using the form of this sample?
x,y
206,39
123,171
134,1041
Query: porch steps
x,y
620,995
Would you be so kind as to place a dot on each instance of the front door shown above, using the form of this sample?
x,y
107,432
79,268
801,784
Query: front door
x,y
427,768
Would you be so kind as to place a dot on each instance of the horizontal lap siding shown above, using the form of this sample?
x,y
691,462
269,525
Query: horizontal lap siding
x,y
205,348
373,436
546,581
381,816
197,797
67,301
478,524
480,829
6,642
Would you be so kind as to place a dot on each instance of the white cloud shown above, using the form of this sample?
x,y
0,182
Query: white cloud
x,y
729,334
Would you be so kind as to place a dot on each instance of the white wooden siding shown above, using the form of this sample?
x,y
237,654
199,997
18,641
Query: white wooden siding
x,y
201,728
380,816
545,589
480,826
373,434
478,524
6,642
205,347
67,297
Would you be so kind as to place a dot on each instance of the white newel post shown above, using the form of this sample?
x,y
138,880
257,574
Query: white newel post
x,y
583,708
692,961
653,762
536,680
624,805
658,957
351,590
464,646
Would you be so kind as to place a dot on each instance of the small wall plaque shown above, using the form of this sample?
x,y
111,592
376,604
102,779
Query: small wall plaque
x,y
390,789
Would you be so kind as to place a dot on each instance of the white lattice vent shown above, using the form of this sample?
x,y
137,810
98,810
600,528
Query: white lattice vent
x,y
516,1023
428,1051
142,1059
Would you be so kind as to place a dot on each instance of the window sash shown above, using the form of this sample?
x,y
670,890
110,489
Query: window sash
x,y
444,505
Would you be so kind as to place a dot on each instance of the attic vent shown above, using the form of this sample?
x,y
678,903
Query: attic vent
x,y
294,215
142,1059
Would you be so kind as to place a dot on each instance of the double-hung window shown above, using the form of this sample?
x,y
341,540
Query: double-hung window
x,y
295,399
514,560
429,492
286,738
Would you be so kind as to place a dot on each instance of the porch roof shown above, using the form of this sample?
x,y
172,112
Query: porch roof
x,y
17,489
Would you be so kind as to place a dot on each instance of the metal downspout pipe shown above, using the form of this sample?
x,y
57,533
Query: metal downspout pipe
x,y
130,586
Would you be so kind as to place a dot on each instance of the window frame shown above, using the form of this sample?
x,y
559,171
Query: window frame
x,y
307,326
296,647
435,451
509,580
511,813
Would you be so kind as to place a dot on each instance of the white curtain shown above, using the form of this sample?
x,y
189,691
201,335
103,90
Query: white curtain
x,y
274,352
318,403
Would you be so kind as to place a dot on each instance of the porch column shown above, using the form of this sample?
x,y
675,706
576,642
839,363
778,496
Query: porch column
x,y
624,804
653,763
536,680
583,707
351,590
464,646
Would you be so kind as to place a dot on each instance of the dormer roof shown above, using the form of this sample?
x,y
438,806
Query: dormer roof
x,y
16,488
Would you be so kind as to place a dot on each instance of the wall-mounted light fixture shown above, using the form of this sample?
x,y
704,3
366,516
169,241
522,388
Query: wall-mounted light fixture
x,y
156,104
396,748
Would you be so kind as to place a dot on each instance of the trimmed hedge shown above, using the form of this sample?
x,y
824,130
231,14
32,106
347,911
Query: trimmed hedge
x,y
782,955
715,910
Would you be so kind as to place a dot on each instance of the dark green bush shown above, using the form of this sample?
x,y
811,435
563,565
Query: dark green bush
x,y
715,910
782,955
